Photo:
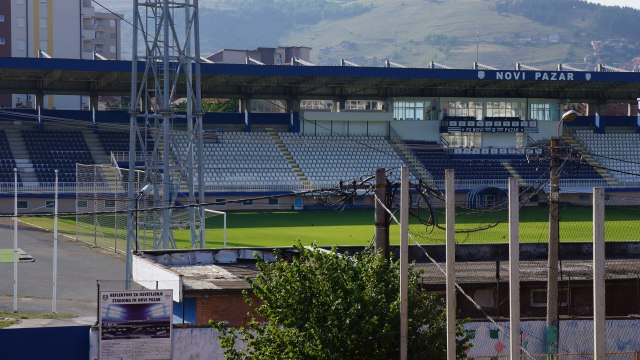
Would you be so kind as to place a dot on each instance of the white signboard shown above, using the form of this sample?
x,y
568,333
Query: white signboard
x,y
136,325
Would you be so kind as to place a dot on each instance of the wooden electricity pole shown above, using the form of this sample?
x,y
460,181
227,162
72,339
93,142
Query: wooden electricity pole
x,y
552,263
382,216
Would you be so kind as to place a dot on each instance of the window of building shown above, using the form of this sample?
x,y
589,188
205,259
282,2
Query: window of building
x,y
539,298
21,45
1,18
247,202
109,204
23,204
486,298
220,201
412,110
49,204
543,111
44,45
43,2
19,2
506,109
112,36
274,201
82,203
43,23
112,23
465,109
458,139
2,41
21,22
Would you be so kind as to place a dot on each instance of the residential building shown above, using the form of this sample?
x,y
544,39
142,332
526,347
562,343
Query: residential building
x,y
59,29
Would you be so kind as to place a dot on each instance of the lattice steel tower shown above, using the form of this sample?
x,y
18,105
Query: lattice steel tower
x,y
166,66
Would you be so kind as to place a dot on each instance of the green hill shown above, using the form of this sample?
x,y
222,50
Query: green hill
x,y
538,33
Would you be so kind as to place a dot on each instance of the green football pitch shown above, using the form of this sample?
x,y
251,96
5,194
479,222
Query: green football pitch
x,y
355,227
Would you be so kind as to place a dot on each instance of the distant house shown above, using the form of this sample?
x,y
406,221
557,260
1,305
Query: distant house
x,y
281,55
208,284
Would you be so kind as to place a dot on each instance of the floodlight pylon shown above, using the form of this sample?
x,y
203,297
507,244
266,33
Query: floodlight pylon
x,y
163,68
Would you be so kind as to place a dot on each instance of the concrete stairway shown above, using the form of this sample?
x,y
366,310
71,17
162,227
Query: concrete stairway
x,y
21,155
300,175
95,146
577,145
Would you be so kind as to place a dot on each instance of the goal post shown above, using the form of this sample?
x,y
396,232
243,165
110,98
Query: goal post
x,y
211,213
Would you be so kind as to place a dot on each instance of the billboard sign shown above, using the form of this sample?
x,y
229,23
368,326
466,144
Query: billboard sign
x,y
136,324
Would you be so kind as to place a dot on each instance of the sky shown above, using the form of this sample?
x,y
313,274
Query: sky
x,y
115,4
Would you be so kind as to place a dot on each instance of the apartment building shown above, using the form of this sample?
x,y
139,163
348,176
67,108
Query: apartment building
x,y
60,29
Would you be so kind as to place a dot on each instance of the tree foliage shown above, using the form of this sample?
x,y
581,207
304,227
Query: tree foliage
x,y
324,305
220,105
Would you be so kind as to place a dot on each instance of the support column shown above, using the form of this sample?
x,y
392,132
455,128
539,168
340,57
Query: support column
x,y
39,101
599,314
450,254
514,269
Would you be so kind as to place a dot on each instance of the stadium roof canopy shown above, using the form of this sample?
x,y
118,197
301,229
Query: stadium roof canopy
x,y
97,77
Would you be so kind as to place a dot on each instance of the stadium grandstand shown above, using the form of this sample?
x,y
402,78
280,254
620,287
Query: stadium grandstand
x,y
329,125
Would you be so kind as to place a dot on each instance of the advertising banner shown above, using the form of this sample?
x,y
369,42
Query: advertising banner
x,y
135,325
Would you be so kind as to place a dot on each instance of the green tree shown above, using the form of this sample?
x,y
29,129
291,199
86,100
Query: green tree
x,y
324,305
220,105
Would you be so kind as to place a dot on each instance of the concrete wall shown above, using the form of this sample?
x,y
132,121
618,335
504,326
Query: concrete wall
x,y
418,130
576,336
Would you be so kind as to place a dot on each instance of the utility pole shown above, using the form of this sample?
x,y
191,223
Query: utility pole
x,y
552,263
382,217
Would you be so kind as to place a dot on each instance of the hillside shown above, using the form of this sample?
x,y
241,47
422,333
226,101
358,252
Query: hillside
x,y
538,33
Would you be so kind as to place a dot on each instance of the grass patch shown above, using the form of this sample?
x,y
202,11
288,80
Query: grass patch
x,y
355,227
8,318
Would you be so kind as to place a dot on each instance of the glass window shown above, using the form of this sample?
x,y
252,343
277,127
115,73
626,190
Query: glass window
x,y
247,202
109,204
21,22
82,203
44,45
112,23
19,2
1,18
465,109
464,139
543,111
2,41
412,110
49,204
274,201
220,201
43,2
506,109
23,204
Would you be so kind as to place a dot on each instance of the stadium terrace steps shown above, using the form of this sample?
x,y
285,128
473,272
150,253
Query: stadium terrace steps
x,y
243,160
290,159
576,144
328,159
617,152
98,152
26,173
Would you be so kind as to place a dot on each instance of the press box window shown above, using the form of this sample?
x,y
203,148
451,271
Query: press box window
x,y
49,204
110,204
274,201
82,203
539,298
221,201
23,204
247,202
